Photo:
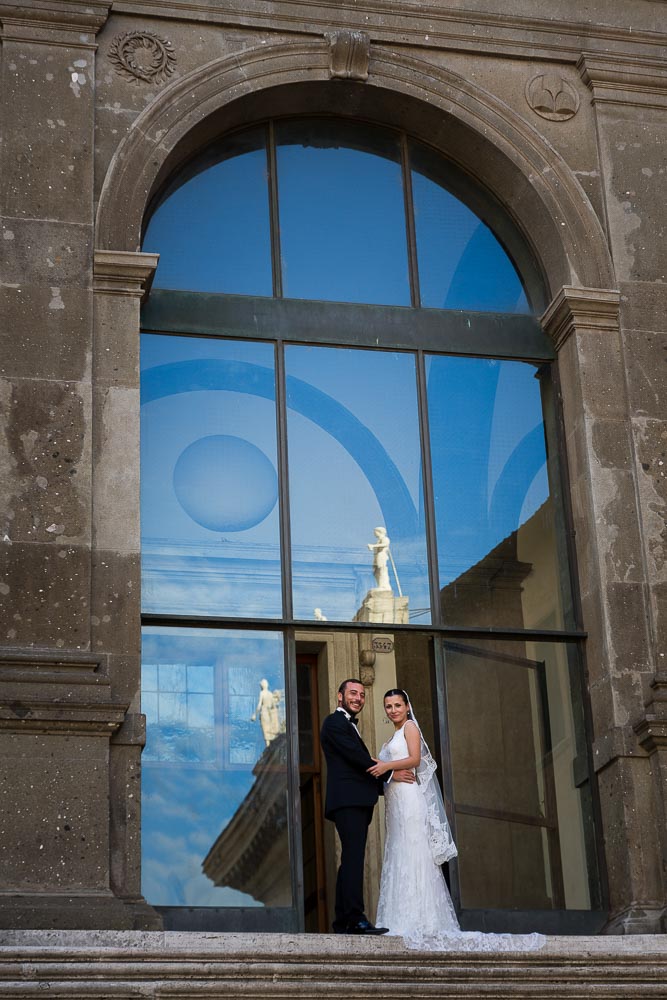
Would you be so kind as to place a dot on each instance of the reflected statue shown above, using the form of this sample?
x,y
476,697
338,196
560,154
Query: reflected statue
x,y
267,709
317,612
381,555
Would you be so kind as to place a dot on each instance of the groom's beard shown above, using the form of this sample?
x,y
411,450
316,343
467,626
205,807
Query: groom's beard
x,y
348,708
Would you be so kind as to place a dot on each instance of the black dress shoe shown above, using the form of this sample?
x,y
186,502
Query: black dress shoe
x,y
365,927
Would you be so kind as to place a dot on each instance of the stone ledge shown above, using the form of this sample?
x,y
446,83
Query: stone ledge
x,y
156,964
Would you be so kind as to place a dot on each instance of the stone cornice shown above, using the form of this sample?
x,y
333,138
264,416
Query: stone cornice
x,y
424,25
581,310
618,80
121,272
70,23
48,691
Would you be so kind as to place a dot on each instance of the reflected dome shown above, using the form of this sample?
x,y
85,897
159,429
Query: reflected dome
x,y
225,483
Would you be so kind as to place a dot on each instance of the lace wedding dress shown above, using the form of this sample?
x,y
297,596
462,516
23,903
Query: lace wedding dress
x,y
414,899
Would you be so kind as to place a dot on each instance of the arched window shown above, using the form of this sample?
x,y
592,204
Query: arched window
x,y
350,456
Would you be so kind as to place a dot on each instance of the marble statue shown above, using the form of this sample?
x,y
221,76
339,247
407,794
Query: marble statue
x,y
380,550
267,709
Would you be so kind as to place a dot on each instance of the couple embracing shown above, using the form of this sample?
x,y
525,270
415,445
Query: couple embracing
x,y
414,899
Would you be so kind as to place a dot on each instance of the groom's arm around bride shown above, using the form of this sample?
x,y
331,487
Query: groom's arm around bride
x,y
350,798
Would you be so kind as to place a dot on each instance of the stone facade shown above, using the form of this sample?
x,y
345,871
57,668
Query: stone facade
x,y
559,110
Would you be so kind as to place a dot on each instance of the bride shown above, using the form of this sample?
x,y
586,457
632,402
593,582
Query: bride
x,y
414,899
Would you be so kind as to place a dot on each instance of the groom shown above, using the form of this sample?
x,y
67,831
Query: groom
x,y
351,797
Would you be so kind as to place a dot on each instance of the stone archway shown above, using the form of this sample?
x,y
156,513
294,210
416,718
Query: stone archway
x,y
481,133
501,152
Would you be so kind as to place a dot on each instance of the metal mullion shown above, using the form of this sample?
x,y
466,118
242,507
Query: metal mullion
x,y
283,483
429,499
309,625
411,234
274,211
293,777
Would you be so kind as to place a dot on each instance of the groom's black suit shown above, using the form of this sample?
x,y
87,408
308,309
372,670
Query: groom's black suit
x,y
351,796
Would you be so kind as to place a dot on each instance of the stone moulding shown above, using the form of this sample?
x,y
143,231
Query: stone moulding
x,y
64,692
578,310
614,79
54,22
123,272
349,55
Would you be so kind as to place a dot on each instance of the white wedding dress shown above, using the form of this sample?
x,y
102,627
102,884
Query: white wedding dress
x,y
414,899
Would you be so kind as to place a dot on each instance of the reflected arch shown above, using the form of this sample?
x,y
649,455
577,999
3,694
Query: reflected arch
x,y
362,445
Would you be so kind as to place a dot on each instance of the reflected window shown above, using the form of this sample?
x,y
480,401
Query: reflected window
x,y
215,759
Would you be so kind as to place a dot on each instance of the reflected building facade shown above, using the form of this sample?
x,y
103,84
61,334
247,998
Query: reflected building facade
x,y
351,372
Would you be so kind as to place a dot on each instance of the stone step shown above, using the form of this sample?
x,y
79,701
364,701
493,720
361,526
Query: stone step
x,y
63,965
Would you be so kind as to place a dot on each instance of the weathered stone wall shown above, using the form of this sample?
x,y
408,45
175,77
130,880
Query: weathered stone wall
x,y
561,112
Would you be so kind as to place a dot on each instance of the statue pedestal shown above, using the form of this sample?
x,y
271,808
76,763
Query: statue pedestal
x,y
383,607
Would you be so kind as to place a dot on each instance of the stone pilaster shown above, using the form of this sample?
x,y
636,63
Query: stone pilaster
x,y
584,324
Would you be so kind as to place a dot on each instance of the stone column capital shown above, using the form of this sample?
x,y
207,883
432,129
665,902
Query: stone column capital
x,y
71,23
122,272
581,309
616,79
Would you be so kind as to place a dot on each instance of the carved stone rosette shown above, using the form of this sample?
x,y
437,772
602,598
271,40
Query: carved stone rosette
x,y
142,56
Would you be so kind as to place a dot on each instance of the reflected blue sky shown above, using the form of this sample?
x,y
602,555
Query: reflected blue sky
x,y
342,224
197,766
209,480
461,263
342,217
343,485
488,452
212,232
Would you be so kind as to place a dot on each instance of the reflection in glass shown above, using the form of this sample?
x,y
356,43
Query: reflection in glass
x,y
212,230
497,546
358,540
342,216
214,788
461,263
520,778
209,486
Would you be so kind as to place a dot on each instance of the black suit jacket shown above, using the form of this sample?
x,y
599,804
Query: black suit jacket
x,y
348,760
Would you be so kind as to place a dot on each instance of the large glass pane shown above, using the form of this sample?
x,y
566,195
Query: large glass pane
x,y
498,547
212,228
342,215
214,771
520,776
461,263
355,486
209,487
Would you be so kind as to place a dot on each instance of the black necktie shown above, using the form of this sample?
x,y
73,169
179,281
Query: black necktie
x,y
354,720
